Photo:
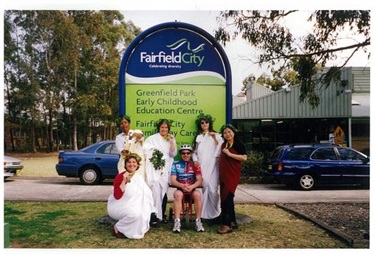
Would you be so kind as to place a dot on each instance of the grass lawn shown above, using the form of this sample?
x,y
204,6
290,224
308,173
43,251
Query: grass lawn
x,y
75,225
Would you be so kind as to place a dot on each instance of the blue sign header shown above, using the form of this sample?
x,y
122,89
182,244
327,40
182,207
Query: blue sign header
x,y
174,51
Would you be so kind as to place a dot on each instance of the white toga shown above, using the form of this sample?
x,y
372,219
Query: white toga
x,y
158,180
207,153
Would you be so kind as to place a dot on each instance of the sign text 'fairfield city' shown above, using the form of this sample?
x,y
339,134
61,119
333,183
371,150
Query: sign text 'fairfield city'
x,y
188,58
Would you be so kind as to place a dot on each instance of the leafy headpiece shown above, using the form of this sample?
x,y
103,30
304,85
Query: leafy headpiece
x,y
228,126
206,117
126,117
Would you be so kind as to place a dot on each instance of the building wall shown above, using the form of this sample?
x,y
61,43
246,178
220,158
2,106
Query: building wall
x,y
361,79
304,123
286,104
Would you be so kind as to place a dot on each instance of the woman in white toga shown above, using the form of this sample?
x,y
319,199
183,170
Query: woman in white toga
x,y
131,201
158,180
207,150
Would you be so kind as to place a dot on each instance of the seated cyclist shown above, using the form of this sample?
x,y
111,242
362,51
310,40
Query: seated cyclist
x,y
186,177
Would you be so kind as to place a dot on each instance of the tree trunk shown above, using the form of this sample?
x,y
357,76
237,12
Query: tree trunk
x,y
75,142
32,132
50,131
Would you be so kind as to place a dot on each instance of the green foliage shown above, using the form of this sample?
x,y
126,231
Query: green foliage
x,y
206,117
277,46
157,159
279,79
253,168
61,69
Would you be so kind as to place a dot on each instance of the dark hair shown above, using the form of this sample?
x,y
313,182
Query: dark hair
x,y
163,121
237,142
198,121
207,118
126,117
229,126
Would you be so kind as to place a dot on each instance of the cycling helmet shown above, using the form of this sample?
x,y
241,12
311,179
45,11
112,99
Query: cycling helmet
x,y
186,147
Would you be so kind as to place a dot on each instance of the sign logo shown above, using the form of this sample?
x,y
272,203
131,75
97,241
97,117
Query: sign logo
x,y
177,56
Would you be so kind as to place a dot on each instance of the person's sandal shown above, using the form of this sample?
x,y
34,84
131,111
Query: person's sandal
x,y
118,234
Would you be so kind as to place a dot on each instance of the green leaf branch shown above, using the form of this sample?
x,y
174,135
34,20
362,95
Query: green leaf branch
x,y
157,159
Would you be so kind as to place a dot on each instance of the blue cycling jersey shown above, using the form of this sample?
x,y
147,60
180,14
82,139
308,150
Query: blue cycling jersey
x,y
186,172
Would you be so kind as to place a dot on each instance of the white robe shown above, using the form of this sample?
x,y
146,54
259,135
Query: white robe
x,y
133,209
207,153
122,143
158,180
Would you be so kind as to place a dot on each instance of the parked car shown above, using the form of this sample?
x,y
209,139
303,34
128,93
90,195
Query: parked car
x,y
307,166
91,164
12,166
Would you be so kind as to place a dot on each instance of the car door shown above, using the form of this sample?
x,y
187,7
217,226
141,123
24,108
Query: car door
x,y
326,166
356,169
106,157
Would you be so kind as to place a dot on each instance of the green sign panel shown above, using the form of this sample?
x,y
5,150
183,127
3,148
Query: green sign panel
x,y
146,104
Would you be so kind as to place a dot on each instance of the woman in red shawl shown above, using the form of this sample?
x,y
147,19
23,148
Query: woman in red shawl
x,y
233,153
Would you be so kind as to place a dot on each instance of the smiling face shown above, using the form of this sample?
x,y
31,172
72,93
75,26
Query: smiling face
x,y
131,165
228,134
185,155
205,125
164,130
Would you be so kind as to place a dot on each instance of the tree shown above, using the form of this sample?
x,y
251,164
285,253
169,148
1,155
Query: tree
x,y
61,70
22,89
275,81
104,36
266,32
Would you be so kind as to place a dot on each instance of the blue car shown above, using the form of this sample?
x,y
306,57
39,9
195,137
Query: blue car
x,y
306,166
91,164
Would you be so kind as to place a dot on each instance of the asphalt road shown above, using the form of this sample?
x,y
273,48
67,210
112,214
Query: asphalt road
x,y
25,188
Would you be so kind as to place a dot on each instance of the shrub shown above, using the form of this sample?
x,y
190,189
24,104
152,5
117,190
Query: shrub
x,y
254,166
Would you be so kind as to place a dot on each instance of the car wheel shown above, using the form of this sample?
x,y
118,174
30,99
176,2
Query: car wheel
x,y
90,176
306,182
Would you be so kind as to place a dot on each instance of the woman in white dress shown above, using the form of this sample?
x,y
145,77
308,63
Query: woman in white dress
x,y
158,179
206,154
131,201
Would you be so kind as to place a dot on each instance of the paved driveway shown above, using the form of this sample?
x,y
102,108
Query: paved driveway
x,y
23,188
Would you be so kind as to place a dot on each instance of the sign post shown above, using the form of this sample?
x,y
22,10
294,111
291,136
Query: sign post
x,y
175,71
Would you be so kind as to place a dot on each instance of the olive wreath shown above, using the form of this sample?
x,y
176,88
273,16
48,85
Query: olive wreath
x,y
202,116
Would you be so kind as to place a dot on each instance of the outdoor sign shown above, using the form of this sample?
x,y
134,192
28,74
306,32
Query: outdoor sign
x,y
175,71
339,136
